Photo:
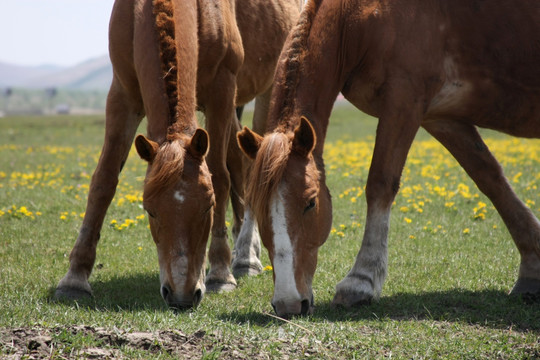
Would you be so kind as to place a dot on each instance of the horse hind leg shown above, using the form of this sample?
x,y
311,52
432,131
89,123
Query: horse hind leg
x,y
237,172
220,118
466,145
247,248
122,120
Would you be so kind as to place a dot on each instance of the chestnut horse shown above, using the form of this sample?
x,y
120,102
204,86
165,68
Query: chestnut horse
x,y
169,58
446,66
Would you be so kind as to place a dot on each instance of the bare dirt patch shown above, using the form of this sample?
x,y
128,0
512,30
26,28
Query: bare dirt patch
x,y
99,343
88,342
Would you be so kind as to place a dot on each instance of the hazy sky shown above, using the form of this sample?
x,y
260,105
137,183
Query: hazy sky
x,y
58,32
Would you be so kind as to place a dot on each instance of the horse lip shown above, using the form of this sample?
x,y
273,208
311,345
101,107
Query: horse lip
x,y
307,307
182,306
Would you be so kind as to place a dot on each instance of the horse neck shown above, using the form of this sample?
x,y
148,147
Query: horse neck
x,y
309,80
178,54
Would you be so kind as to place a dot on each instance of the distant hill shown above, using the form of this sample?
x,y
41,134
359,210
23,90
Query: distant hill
x,y
93,74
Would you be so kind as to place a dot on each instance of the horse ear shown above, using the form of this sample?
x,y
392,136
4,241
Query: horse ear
x,y
146,148
249,141
304,138
198,147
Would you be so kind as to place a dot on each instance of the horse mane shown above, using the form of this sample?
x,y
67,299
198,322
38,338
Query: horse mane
x,y
163,11
267,171
291,60
168,163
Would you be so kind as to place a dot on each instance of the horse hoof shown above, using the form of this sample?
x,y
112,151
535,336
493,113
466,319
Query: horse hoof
x,y
218,286
351,299
68,293
528,288
246,270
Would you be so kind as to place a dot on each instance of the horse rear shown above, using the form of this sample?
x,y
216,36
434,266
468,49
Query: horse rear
x,y
445,66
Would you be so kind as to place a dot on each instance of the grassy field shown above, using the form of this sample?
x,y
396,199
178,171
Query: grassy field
x,y
451,260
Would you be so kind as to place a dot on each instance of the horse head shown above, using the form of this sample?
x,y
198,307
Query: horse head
x,y
179,199
289,198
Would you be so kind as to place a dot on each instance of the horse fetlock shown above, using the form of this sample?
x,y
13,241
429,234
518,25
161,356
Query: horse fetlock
x,y
246,260
246,267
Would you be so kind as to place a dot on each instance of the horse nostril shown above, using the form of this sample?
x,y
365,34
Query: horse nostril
x,y
165,291
305,307
274,307
197,297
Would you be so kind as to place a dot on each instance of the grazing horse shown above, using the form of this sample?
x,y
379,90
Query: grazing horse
x,y
171,57
446,66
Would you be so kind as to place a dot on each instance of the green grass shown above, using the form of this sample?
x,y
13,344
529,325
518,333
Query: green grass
x,y
450,268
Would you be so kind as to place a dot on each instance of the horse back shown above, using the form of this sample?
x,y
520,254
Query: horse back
x,y
475,61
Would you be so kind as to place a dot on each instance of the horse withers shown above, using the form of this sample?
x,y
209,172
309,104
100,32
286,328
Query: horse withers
x,y
444,66
170,58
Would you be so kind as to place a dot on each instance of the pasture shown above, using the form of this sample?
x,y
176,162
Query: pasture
x,y
451,260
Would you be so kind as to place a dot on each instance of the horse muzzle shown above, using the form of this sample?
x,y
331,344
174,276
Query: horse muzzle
x,y
181,302
289,308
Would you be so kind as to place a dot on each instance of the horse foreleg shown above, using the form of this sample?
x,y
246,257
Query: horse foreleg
x,y
260,113
466,145
121,123
220,115
236,166
365,280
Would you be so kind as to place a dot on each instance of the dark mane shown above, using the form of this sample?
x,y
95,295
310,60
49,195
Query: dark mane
x,y
291,60
169,161
267,171
163,11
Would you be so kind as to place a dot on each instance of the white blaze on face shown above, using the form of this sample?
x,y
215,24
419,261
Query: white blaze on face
x,y
285,283
179,196
177,269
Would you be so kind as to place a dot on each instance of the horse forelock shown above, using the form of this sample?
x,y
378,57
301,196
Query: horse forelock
x,y
163,11
166,169
267,171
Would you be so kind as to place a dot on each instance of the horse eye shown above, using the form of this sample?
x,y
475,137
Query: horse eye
x,y
310,205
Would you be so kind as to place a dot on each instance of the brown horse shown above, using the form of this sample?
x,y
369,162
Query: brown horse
x,y
444,66
169,58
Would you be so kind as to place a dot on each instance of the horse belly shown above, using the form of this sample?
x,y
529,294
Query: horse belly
x,y
264,26
469,94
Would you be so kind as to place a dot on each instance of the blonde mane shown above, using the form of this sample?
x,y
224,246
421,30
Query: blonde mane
x,y
267,171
